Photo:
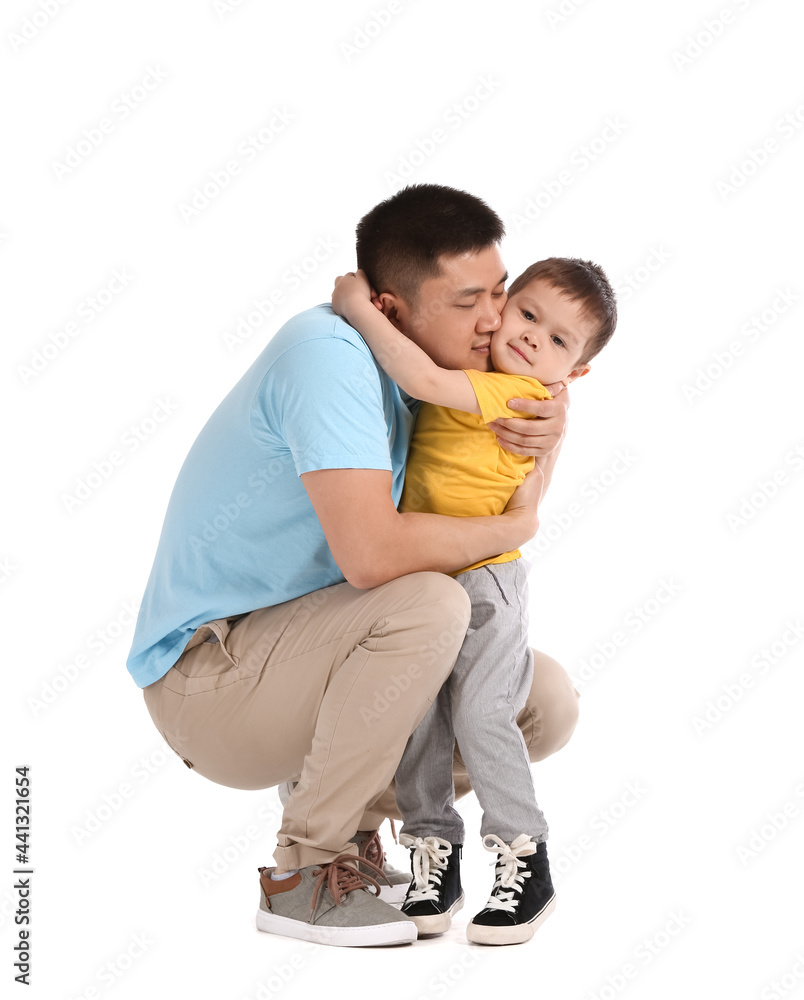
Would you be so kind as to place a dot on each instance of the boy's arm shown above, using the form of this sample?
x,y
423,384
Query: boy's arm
x,y
547,463
404,361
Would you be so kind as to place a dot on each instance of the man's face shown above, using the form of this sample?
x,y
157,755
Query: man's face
x,y
457,312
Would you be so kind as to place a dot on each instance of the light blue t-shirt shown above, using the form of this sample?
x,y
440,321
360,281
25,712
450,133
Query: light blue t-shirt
x,y
240,532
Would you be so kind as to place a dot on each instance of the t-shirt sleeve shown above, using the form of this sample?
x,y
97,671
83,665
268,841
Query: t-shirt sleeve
x,y
494,389
322,400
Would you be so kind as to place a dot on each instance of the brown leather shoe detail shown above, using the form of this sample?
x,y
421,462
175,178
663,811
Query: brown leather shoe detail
x,y
270,886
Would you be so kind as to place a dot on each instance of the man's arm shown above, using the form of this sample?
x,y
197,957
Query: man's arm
x,y
406,363
373,543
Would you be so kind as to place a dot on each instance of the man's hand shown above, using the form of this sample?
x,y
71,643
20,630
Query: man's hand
x,y
539,435
351,293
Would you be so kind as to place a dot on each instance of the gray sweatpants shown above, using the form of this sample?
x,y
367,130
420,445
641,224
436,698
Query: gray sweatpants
x,y
477,706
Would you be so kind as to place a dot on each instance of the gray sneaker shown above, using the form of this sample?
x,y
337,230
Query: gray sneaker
x,y
369,847
331,904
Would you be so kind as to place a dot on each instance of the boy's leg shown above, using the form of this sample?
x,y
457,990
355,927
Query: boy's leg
x,y
489,686
547,722
327,687
423,781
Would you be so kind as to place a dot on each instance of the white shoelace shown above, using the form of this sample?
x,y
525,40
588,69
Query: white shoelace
x,y
429,861
507,870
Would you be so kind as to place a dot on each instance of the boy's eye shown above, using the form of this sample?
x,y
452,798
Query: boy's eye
x,y
528,315
558,340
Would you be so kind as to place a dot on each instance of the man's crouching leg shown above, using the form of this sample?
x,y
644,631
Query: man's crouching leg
x,y
405,638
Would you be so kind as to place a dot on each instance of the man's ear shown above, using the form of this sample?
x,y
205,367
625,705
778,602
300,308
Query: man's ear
x,y
395,309
576,373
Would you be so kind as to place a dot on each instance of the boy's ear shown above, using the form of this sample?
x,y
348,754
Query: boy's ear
x,y
576,373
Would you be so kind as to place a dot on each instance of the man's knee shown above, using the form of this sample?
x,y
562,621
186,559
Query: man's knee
x,y
443,608
422,620
438,588
551,713
449,611
565,715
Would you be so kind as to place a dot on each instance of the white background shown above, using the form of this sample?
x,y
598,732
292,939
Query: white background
x,y
690,882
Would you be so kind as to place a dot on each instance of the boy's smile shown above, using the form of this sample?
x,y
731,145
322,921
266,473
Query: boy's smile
x,y
543,334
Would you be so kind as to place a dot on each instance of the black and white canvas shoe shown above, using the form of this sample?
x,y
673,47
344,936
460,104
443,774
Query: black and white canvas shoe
x,y
522,897
435,893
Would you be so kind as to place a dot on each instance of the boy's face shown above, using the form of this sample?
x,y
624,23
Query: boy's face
x,y
543,334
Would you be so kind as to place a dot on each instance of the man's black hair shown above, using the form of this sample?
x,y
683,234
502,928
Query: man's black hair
x,y
400,240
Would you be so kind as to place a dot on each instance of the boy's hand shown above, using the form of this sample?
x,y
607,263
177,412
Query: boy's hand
x,y
534,437
351,293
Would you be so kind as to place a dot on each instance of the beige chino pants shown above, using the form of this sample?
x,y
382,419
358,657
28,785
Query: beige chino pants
x,y
325,690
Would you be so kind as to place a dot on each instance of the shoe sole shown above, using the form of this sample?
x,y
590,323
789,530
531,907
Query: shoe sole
x,y
397,932
517,934
437,923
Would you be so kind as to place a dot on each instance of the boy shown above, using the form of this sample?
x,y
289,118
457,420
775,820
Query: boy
x,y
559,314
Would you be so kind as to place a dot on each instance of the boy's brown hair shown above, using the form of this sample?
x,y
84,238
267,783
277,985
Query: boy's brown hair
x,y
579,280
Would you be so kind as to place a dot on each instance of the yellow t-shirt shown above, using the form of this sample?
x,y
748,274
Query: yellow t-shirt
x,y
455,465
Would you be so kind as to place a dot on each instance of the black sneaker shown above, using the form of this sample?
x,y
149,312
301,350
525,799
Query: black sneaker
x,y
435,893
522,897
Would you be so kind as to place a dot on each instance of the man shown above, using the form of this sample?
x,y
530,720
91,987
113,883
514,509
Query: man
x,y
297,627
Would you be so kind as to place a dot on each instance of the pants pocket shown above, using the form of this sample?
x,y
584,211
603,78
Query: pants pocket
x,y
496,580
207,663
